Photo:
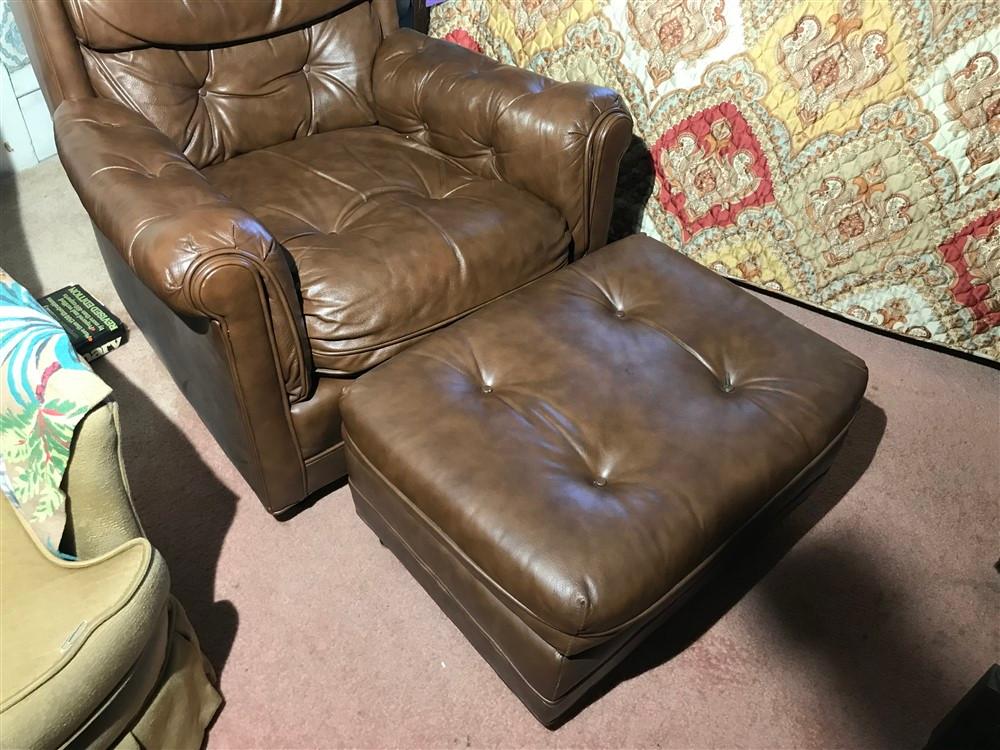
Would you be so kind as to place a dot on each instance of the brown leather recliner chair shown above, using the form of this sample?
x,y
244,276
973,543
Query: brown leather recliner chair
x,y
286,194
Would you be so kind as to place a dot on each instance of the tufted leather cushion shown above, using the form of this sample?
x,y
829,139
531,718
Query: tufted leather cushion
x,y
502,122
390,238
217,103
147,94
587,443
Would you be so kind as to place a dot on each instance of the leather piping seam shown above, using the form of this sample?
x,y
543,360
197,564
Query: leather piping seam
x,y
444,538
289,422
596,139
313,460
234,255
605,667
597,165
687,587
258,464
198,273
645,613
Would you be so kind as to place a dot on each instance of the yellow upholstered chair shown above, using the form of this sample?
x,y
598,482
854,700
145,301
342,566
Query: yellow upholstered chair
x,y
95,651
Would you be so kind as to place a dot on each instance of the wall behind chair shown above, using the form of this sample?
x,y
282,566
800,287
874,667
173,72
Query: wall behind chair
x,y
843,153
25,124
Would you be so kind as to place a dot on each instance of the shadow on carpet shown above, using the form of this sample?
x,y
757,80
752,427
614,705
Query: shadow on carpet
x,y
184,508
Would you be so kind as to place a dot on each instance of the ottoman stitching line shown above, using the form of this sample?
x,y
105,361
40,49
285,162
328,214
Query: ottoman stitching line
x,y
652,607
430,572
446,538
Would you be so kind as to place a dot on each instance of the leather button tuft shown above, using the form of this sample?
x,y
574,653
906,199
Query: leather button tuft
x,y
728,387
619,313
600,482
306,68
202,93
487,389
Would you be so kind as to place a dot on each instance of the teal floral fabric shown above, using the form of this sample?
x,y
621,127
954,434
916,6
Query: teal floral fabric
x,y
46,389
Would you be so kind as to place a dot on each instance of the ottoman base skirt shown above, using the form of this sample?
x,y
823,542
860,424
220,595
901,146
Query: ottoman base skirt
x,y
548,683
562,469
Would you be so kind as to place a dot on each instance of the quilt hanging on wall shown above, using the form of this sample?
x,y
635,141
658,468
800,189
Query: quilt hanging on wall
x,y
842,152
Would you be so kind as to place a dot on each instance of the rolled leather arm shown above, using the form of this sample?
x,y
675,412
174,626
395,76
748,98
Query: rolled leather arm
x,y
562,142
172,227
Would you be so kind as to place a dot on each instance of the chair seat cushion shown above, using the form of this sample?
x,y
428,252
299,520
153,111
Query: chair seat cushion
x,y
80,629
587,443
390,239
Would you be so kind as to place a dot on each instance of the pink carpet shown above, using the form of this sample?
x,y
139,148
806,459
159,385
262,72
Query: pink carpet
x,y
858,623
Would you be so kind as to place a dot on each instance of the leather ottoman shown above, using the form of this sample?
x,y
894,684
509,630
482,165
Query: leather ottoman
x,y
561,468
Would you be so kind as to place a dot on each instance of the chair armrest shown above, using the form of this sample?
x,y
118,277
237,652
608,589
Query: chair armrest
x,y
100,516
563,142
174,229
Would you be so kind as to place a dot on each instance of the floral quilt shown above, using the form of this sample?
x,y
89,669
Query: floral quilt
x,y
46,389
842,152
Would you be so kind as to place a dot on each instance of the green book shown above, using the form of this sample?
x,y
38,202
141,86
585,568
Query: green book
x,y
92,329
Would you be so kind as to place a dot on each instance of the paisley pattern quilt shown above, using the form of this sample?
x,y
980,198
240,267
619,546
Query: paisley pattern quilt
x,y
842,152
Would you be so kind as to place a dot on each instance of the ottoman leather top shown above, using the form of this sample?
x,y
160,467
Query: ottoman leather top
x,y
584,444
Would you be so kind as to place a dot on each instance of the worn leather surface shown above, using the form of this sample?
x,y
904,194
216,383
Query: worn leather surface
x,y
391,235
220,102
586,443
505,123
390,238
231,381
171,225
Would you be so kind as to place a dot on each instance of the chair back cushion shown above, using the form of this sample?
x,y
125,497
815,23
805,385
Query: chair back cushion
x,y
222,77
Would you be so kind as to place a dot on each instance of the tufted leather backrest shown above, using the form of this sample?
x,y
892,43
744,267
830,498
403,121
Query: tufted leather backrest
x,y
223,77
113,25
